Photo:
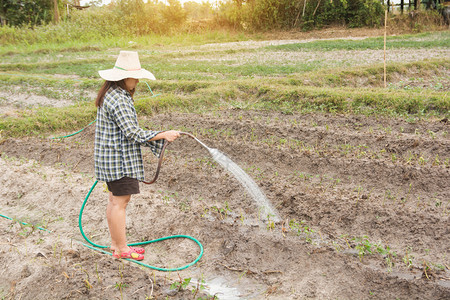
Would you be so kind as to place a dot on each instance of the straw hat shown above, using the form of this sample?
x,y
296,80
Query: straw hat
x,y
127,66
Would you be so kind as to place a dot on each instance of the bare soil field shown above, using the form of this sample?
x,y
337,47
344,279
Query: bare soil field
x,y
364,203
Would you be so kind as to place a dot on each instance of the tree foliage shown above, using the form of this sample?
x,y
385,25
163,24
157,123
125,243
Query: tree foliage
x,y
174,15
351,13
26,12
158,16
304,14
139,17
198,11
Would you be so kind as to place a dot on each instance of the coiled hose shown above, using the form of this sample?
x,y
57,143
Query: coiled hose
x,y
100,247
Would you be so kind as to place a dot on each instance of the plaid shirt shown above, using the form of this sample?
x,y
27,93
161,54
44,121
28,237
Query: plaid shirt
x,y
118,138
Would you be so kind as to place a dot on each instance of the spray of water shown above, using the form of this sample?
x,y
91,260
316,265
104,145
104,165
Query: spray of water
x,y
247,182
265,208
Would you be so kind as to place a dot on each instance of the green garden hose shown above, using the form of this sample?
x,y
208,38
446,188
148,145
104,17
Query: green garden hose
x,y
72,134
24,223
100,247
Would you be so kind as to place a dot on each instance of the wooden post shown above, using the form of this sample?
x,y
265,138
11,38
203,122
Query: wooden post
x,y
56,12
385,29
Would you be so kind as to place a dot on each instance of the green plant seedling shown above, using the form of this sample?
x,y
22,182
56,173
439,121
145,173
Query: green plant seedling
x,y
408,259
181,284
363,246
121,286
200,286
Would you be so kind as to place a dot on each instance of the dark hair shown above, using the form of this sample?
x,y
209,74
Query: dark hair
x,y
106,86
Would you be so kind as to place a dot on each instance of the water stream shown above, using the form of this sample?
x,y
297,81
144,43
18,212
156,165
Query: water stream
x,y
266,211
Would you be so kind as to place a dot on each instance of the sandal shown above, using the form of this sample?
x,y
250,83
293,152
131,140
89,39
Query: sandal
x,y
132,254
138,250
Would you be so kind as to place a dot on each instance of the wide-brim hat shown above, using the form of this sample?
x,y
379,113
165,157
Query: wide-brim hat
x,y
127,66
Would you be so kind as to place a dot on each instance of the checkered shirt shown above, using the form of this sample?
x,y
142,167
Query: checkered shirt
x,y
118,138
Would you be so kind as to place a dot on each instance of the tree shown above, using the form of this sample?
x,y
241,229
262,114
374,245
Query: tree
x,y
174,15
197,11
26,12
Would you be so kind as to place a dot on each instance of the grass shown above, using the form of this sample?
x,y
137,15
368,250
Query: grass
x,y
46,44
426,40
48,120
278,98
191,78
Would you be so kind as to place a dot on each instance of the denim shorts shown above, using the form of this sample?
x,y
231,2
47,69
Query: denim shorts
x,y
123,186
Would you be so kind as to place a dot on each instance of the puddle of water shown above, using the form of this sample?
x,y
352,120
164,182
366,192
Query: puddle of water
x,y
218,286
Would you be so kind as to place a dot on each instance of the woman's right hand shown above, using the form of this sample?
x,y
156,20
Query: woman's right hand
x,y
171,135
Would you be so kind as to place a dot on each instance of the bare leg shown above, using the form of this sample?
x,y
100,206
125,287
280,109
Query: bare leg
x,y
115,214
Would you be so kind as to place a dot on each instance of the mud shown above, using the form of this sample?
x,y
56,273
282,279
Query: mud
x,y
312,169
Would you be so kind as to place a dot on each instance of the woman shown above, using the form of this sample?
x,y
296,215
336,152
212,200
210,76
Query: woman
x,y
118,137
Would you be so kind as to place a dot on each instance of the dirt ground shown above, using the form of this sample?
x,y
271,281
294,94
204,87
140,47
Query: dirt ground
x,y
365,203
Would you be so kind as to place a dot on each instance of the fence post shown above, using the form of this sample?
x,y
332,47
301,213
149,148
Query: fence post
x,y
385,29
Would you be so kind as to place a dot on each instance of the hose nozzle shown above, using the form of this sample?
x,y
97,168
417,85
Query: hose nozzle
x,y
196,139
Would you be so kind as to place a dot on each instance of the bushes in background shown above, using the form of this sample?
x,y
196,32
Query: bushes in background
x,y
303,14
124,18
